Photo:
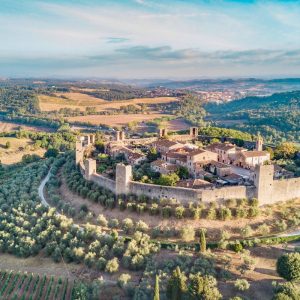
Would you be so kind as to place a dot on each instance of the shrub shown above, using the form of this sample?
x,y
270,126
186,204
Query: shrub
x,y
288,266
225,213
253,212
141,226
195,212
187,233
246,231
179,212
263,229
211,214
127,225
112,265
102,220
123,280
167,211
281,225
236,247
154,209
242,284
101,264
113,223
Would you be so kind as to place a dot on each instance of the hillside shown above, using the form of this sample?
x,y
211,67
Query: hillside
x,y
277,117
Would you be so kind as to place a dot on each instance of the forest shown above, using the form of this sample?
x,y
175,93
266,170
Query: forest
x,y
276,117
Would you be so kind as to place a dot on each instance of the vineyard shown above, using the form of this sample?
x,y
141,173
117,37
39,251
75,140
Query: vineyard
x,y
23,286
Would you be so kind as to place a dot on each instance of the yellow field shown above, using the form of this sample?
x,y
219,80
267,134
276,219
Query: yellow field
x,y
115,120
18,147
81,101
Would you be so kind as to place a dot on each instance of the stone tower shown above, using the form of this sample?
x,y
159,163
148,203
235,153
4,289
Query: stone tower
x,y
123,177
120,135
163,132
259,143
263,181
90,168
194,132
79,152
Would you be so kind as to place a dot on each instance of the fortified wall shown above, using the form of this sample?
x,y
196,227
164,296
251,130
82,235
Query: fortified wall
x,y
265,188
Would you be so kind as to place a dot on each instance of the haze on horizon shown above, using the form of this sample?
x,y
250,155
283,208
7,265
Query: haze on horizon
x,y
149,38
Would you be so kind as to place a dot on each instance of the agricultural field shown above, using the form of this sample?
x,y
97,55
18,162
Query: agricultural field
x,y
19,285
8,127
115,120
13,149
81,101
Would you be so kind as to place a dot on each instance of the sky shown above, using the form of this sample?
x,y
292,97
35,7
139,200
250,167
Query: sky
x,y
140,39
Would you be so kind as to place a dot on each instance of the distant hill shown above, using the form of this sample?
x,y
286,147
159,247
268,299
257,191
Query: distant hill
x,y
277,117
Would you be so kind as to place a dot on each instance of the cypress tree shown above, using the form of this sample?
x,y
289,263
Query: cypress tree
x,y
202,241
176,286
156,288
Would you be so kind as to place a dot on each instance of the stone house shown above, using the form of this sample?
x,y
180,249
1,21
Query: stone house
x,y
163,167
250,159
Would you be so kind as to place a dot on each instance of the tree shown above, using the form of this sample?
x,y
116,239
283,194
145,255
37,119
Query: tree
x,y
176,287
7,145
203,287
156,288
285,150
51,153
288,266
183,172
167,179
202,241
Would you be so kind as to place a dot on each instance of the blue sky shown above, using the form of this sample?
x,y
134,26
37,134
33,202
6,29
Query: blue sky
x,y
149,38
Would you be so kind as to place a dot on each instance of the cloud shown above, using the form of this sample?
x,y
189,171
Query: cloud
x,y
116,40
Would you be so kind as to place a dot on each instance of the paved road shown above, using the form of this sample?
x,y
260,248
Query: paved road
x,y
41,189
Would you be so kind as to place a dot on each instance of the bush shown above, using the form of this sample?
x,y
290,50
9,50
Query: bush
x,y
113,223
263,229
102,220
236,247
112,265
141,226
167,211
288,266
242,284
127,225
281,225
179,212
123,280
246,231
101,264
187,233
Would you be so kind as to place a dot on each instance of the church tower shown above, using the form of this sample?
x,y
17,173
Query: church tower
x,y
259,143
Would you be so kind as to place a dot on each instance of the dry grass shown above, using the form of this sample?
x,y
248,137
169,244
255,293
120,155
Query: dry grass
x,y
8,127
115,120
81,101
18,147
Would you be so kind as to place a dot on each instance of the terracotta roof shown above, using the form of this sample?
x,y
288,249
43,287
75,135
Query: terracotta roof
x,y
158,163
196,152
254,153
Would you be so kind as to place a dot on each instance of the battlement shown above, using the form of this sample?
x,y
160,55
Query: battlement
x,y
265,189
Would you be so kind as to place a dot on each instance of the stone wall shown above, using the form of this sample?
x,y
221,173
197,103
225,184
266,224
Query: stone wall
x,y
225,193
183,195
104,182
285,189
